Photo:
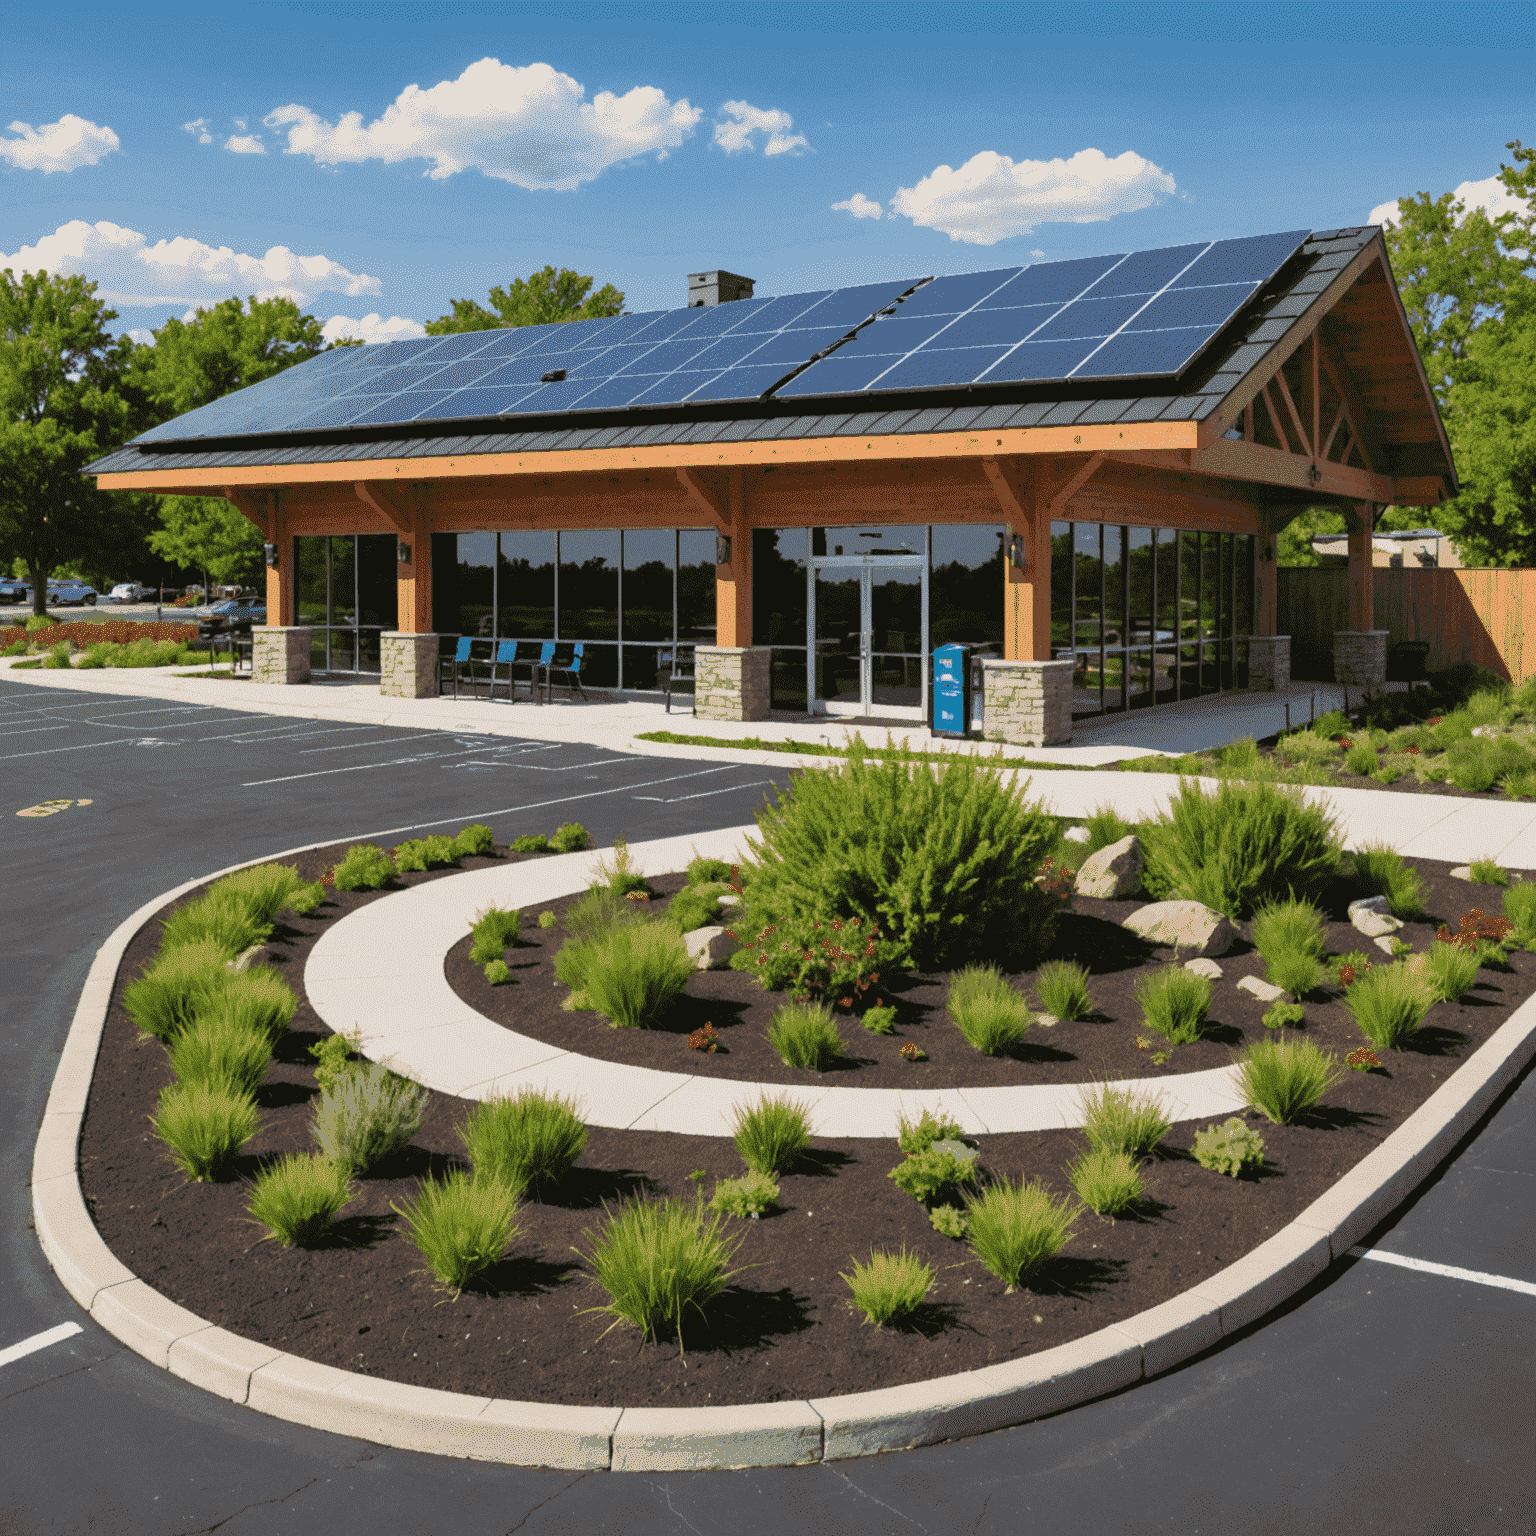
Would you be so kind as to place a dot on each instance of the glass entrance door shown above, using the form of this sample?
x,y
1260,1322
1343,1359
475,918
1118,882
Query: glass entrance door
x,y
869,616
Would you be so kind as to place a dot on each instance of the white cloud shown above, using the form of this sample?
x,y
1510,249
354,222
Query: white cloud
x,y
778,125
245,144
62,146
1038,255
1490,194
372,328
132,271
199,126
530,125
859,206
142,334
992,197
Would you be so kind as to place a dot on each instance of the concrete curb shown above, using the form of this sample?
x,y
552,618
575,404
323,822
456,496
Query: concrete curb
x,y
747,1435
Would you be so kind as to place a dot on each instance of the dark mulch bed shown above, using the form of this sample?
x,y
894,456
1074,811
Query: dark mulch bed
x,y
364,1303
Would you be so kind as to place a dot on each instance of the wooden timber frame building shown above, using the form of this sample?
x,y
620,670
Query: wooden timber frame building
x,y
1222,388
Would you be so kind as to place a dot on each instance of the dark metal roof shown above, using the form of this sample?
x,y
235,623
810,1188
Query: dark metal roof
x,y
1250,339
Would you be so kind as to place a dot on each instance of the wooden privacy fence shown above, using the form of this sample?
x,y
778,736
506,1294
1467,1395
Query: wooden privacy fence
x,y
1467,615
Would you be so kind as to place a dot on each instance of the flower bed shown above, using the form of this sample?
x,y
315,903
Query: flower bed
x,y
84,633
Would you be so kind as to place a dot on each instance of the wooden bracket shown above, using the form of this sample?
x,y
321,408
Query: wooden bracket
x,y
249,506
1295,415
1058,502
700,494
386,501
1007,498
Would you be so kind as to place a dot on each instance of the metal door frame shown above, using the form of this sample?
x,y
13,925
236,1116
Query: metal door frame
x,y
865,565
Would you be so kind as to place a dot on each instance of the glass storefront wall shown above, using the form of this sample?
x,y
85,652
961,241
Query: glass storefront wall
x,y
1149,615
346,591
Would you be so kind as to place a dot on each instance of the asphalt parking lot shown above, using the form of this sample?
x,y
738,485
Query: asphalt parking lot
x,y
1381,1399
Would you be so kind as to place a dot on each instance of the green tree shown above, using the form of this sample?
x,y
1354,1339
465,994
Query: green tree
x,y
548,295
207,534
60,406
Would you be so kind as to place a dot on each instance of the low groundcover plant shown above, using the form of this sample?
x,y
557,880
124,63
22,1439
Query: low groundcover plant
x,y
1230,1147
367,1115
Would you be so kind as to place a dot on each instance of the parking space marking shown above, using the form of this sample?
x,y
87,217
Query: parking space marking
x,y
353,746
32,730
1446,1271
39,1341
600,762
703,794
86,746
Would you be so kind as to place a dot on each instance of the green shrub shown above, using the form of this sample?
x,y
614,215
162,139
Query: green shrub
x,y
948,1220
1283,1079
418,854
914,1136
1519,784
1361,760
529,1138
1105,827
1062,987
1281,927
296,1199
806,1035
1106,1182
879,1021
635,972
569,838
366,867
307,899
1124,1120
15,648
1380,871
1281,1015
938,1169
530,842
1229,1148
474,840
702,871
1174,1002
695,906
1296,973
218,1048
941,859
58,657
1520,909
205,1127
1487,872
264,889
1477,763
461,1225
37,621
335,1059
751,1195
547,919
175,986
1450,972
258,997
494,930
497,972
367,1115
659,1258
986,1010
1233,849
1388,1003
223,920
1016,1229
889,1286
772,1133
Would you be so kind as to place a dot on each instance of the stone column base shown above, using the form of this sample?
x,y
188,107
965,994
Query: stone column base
x,y
1028,703
1360,658
731,683
408,665
280,653
1269,663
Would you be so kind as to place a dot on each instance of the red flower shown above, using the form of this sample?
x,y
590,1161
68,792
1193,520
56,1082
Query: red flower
x,y
706,1039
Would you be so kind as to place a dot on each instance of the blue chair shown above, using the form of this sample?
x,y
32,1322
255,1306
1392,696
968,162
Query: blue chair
x,y
504,655
569,670
449,668
674,666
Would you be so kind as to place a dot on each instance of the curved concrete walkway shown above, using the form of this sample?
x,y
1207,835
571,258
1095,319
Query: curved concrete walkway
x,y
380,971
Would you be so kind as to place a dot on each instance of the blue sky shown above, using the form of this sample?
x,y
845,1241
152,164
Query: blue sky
x,y
380,160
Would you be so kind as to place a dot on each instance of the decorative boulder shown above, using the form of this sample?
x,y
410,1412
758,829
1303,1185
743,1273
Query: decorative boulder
x,y
1207,968
1076,835
1112,872
711,948
1370,916
1265,991
1185,925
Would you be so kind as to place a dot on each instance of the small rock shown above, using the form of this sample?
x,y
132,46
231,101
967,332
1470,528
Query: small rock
x,y
1048,1020
1265,991
243,960
729,901
1112,872
1370,916
1384,943
711,948
1076,834
1203,968
1485,730
1462,872
1188,925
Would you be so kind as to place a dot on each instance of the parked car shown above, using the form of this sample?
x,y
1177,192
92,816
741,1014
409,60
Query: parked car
x,y
13,590
230,616
125,592
71,594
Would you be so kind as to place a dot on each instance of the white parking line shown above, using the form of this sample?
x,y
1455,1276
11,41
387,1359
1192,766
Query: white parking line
x,y
39,1341
353,746
32,730
1448,1271
117,741
703,794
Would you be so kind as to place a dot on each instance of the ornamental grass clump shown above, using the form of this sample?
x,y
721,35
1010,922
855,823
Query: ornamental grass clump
x,y
695,906
889,1287
462,1226
366,867
222,1048
176,985
940,859
1388,1003
422,853
366,1116
222,919
702,871
1449,972
1017,1229
1382,871
266,889
298,1197
1289,935
205,1126
1230,1148
1488,872
1127,1120
772,1133
257,997
1107,1182
1234,849
1283,1079
475,840
1175,1002
1062,987
987,1011
635,972
659,1259
494,930
1520,909
806,1035
528,1138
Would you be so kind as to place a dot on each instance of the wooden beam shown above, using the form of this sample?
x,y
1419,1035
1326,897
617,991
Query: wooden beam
x,y
1230,459
1074,483
1007,498
1333,432
1418,490
703,497
1317,397
1275,419
1295,415
387,501
1343,381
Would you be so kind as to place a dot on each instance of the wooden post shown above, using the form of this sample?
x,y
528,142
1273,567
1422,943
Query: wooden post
x,y
282,579
1360,520
1266,603
1020,492
414,585
733,581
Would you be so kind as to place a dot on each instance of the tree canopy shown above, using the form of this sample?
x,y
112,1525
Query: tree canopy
x,y
547,295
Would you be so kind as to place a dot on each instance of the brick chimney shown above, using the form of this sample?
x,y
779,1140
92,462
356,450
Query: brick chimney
x,y
717,288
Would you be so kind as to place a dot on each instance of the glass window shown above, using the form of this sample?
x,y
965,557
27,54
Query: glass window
x,y
1087,619
343,557
474,586
589,585
696,586
870,539
525,586
649,555
966,590
378,585
311,601
778,587
1061,591
1165,663
1114,617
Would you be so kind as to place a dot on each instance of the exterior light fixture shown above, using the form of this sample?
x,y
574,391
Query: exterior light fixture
x,y
269,549
1017,555
722,549
1314,476
405,553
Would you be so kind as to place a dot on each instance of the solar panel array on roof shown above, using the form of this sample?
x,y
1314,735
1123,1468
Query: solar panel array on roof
x,y
715,353
1145,313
